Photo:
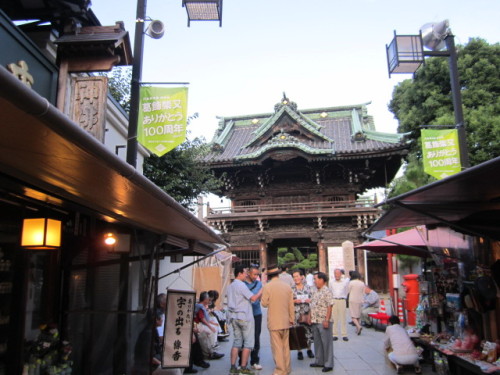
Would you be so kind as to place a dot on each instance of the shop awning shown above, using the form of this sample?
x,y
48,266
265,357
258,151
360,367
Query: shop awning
x,y
42,147
409,242
468,202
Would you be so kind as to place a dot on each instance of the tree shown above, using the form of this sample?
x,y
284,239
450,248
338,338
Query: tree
x,y
426,99
289,255
119,85
413,177
179,172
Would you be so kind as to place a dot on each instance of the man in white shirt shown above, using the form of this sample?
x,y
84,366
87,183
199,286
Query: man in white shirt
x,y
403,351
339,289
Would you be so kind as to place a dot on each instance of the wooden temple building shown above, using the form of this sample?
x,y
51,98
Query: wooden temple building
x,y
294,178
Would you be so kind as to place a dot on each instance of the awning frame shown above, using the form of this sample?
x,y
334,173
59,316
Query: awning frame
x,y
468,202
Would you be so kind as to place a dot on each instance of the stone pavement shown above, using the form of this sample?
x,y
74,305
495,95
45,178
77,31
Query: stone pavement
x,y
361,355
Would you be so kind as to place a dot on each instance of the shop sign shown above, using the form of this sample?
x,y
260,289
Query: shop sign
x,y
178,328
162,118
441,153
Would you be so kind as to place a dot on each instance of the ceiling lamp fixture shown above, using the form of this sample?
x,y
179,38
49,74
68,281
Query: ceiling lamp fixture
x,y
41,234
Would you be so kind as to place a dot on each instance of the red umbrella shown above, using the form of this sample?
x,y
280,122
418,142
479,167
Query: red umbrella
x,y
409,242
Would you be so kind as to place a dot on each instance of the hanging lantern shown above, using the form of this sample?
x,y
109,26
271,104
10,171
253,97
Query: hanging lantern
x,y
41,234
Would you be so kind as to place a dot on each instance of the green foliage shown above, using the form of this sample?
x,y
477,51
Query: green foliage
x,y
298,254
119,85
282,251
413,178
180,174
427,100
289,255
307,264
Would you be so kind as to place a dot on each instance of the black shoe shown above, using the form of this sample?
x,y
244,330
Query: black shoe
x,y
310,353
351,323
202,364
327,369
216,355
190,370
335,338
315,365
345,338
300,356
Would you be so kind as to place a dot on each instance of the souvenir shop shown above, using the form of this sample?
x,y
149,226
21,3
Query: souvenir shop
x,y
457,319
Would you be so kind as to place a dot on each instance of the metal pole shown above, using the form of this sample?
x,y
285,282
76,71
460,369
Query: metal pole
x,y
457,101
136,83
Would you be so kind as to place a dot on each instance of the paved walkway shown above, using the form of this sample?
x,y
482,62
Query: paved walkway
x,y
361,355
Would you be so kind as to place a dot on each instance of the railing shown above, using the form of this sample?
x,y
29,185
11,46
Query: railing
x,y
293,207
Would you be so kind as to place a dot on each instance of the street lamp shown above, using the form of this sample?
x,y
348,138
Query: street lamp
x,y
406,53
198,10
203,10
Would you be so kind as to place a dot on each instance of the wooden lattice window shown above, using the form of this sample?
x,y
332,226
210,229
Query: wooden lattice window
x,y
336,198
248,257
246,203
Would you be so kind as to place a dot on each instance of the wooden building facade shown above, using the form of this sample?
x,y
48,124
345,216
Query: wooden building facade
x,y
294,178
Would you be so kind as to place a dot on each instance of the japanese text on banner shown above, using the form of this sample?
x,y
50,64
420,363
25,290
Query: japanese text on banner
x,y
162,118
441,153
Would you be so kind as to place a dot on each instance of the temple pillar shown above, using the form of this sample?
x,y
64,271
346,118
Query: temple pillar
x,y
322,266
263,254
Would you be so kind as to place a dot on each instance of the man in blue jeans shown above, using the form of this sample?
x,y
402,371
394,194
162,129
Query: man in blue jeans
x,y
239,306
254,285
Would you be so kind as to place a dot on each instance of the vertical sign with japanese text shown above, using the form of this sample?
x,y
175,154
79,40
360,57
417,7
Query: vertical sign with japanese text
x,y
162,118
441,153
178,328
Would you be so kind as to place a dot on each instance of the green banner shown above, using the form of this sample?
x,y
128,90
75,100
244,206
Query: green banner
x,y
162,118
441,152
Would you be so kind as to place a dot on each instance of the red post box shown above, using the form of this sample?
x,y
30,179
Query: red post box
x,y
412,297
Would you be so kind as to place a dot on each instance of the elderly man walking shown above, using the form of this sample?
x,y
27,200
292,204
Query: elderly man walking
x,y
277,296
239,305
321,319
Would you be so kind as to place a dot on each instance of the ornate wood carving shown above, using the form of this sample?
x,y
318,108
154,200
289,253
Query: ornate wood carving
x,y
88,98
20,70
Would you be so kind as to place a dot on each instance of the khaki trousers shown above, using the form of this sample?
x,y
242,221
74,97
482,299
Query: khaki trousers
x,y
281,351
339,317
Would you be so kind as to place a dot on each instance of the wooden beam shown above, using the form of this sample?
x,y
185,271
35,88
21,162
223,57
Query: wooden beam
x,y
92,64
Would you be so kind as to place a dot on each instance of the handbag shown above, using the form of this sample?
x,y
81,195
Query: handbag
x,y
297,339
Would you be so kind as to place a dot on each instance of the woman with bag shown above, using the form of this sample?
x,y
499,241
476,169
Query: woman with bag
x,y
301,299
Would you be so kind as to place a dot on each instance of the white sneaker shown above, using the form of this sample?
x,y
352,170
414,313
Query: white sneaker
x,y
257,366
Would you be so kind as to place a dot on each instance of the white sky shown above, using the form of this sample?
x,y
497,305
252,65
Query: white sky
x,y
322,53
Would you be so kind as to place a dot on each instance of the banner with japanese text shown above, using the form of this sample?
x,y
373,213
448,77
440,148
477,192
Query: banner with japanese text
x,y
162,118
178,329
441,152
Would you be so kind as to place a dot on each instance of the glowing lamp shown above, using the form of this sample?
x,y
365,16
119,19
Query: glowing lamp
x,y
110,239
41,234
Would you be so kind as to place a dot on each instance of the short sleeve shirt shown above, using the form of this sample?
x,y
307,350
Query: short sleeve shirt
x,y
254,287
321,299
238,301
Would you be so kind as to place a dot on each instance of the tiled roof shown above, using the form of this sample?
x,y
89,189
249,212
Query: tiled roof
x,y
333,132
